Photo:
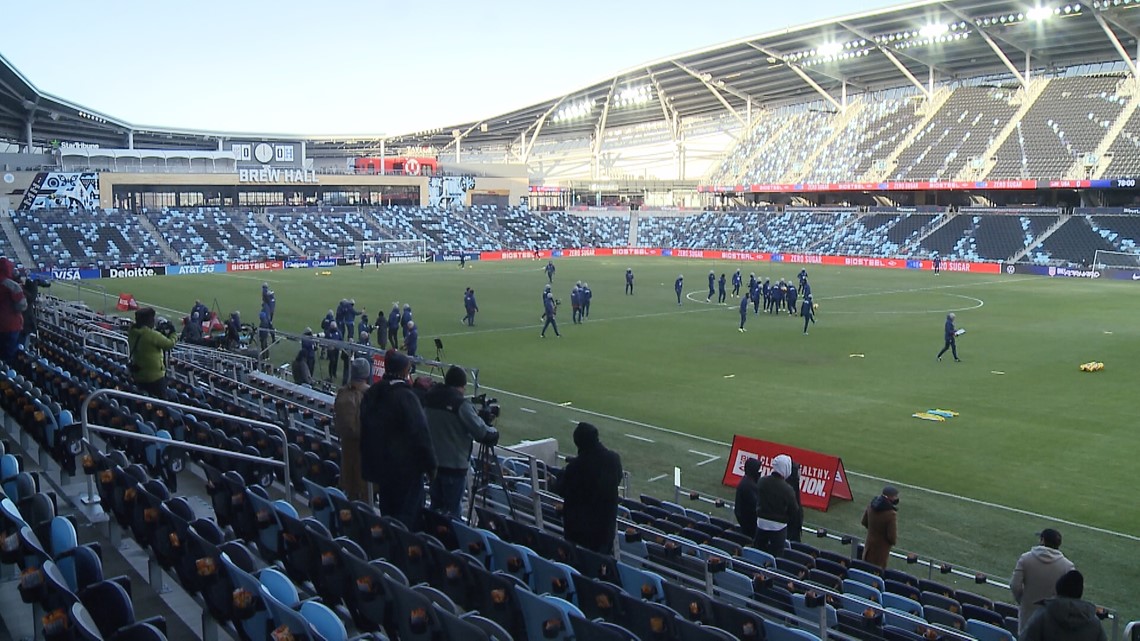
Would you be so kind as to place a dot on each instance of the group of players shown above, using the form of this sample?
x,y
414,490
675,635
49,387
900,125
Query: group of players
x,y
776,297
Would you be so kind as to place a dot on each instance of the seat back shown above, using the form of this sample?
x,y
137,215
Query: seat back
x,y
862,590
412,612
799,604
545,617
983,631
902,603
325,623
641,583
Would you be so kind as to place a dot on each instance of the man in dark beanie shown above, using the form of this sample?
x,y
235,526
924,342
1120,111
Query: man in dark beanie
x,y
747,502
453,423
1065,617
589,490
395,446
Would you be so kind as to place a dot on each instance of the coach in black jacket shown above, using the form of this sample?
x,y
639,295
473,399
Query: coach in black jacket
x,y
395,445
589,490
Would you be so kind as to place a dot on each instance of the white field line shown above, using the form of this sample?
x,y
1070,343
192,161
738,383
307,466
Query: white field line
x,y
909,486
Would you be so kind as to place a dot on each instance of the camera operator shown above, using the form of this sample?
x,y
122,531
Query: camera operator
x,y
148,347
453,423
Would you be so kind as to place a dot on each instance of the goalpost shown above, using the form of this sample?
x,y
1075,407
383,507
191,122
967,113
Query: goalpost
x,y
407,250
1112,259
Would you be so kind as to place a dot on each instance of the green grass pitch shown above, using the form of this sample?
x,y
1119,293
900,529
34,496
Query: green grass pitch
x,y
1040,445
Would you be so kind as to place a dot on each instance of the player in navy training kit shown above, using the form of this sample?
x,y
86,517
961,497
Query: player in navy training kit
x,y
677,285
722,293
629,282
937,265
587,295
736,282
743,312
549,310
712,286
791,300
575,304
754,294
807,310
550,272
950,342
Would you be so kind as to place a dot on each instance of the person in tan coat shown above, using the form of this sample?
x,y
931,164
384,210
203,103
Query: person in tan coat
x,y
880,519
346,423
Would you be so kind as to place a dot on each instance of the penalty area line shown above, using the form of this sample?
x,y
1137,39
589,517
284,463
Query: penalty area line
x,y
918,488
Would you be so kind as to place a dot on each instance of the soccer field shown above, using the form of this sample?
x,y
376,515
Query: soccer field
x,y
1038,444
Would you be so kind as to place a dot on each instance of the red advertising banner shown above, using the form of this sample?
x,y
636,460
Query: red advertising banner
x,y
126,302
255,266
377,368
822,476
515,255
636,251
899,185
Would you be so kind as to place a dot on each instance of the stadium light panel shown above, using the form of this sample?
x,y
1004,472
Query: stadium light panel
x,y
933,30
1037,14
830,49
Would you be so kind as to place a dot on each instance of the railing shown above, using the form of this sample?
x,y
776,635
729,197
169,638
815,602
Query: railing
x,y
931,564
96,339
88,428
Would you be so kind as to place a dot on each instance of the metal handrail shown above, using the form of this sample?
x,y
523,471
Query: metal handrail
x,y
89,346
87,428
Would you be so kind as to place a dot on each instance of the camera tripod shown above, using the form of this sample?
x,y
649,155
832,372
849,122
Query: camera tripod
x,y
487,471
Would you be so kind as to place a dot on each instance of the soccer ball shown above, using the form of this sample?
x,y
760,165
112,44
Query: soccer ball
x,y
815,305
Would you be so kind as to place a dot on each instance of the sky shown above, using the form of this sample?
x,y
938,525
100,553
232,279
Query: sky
x,y
356,66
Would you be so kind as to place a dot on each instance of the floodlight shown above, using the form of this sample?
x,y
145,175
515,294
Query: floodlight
x,y
933,30
1037,14
830,49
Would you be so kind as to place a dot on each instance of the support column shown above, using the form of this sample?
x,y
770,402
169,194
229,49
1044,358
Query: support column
x,y
28,134
930,82
130,140
1028,63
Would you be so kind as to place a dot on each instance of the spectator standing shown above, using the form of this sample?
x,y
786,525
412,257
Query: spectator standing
x,y
147,349
346,423
453,423
589,490
1036,575
1065,617
13,303
747,503
881,520
777,507
396,452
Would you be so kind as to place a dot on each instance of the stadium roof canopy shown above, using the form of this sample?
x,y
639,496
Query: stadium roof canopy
x,y
907,45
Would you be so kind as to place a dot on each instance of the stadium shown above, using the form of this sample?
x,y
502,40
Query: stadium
x,y
967,158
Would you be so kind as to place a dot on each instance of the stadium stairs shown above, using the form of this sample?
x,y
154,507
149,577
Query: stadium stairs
x,y
167,250
838,128
15,240
1027,97
264,219
1037,242
1104,159
929,110
935,225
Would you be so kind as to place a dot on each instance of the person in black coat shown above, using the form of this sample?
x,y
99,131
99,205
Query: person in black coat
x,y
396,451
796,523
589,490
747,503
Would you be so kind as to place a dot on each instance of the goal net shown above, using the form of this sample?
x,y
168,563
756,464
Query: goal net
x,y
1104,259
408,250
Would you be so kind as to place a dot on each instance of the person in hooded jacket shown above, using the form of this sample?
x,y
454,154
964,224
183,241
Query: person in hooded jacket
x,y
796,524
1065,617
346,423
1036,573
13,302
147,352
747,502
589,490
778,507
880,519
